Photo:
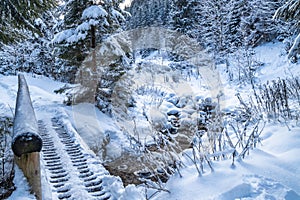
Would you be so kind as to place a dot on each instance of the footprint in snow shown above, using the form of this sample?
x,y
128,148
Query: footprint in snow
x,y
259,188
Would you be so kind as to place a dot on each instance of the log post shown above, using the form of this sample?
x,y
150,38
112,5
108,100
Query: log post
x,y
27,143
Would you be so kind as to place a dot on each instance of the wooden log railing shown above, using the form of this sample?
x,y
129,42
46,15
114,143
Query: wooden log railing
x,y
27,143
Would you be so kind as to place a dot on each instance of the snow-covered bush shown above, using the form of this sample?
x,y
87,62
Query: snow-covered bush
x,y
278,99
242,66
35,53
34,56
6,158
221,135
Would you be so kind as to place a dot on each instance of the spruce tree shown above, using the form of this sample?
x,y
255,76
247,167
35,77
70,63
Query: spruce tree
x,y
116,16
186,17
238,10
214,25
21,14
290,11
146,13
259,25
84,25
88,40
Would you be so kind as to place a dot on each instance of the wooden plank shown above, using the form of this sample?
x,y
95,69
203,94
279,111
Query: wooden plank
x,y
30,165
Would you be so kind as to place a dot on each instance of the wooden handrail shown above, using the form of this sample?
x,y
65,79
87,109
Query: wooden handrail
x,y
27,143
25,131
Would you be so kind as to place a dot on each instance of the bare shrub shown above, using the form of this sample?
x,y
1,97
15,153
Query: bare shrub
x,y
279,99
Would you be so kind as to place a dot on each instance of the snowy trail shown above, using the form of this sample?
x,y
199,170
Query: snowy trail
x,y
71,170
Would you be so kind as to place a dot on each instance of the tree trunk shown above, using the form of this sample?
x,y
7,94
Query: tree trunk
x,y
93,36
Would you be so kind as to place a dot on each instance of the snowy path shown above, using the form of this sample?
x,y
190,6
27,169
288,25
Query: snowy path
x,y
71,170
66,165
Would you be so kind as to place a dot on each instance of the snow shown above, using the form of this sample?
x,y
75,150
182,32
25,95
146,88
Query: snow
x,y
62,36
22,187
94,12
126,3
117,15
267,173
132,193
271,171
83,27
94,126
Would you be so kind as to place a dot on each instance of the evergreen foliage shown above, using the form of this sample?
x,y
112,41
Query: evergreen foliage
x,y
77,30
220,26
20,14
186,17
238,11
259,25
214,26
86,24
150,13
34,54
290,11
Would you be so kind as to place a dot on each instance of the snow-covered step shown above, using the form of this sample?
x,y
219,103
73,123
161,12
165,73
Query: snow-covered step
x,y
70,169
64,196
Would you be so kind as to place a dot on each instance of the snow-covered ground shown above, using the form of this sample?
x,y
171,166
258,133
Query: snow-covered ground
x,y
271,171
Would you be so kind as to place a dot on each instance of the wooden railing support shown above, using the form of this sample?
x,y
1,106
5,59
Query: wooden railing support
x,y
27,142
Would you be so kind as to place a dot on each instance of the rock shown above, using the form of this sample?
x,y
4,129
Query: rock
x,y
175,112
172,98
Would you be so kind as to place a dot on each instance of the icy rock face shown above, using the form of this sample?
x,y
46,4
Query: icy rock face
x,y
25,131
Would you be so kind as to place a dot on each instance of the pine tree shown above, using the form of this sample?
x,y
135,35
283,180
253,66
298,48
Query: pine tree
x,y
259,26
214,26
237,11
21,14
116,16
186,17
83,26
89,41
35,53
291,11
146,13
